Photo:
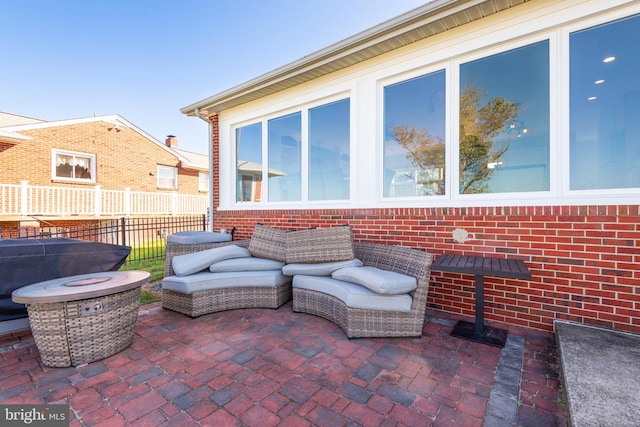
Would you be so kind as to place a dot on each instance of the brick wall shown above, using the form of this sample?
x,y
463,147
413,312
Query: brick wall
x,y
124,158
585,260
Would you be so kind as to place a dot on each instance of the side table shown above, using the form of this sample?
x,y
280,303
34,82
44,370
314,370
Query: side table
x,y
480,267
79,319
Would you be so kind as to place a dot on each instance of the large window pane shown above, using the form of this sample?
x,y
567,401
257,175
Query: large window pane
x,y
605,106
504,122
249,163
329,151
414,137
285,183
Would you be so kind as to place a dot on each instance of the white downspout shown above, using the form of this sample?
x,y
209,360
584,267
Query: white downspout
x,y
206,118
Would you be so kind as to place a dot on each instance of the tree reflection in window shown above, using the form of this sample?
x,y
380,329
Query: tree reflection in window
x,y
483,137
498,95
414,132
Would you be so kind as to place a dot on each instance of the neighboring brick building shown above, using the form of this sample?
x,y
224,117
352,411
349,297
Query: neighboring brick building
x,y
560,189
105,154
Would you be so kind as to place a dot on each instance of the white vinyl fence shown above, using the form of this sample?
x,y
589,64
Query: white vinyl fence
x,y
31,200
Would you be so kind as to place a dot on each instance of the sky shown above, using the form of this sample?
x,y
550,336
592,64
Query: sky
x,y
147,59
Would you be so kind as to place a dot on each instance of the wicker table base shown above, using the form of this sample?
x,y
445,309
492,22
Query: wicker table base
x,y
96,320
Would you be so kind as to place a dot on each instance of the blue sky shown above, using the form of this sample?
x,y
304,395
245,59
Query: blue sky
x,y
146,59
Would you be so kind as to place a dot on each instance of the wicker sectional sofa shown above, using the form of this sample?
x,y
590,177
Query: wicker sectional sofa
x,y
320,294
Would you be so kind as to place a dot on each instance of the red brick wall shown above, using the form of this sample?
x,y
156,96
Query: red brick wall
x,y
124,158
585,260
216,162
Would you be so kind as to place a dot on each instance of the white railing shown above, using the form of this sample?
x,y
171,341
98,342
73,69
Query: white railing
x,y
32,200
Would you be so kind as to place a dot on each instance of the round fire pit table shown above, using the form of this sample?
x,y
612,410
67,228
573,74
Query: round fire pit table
x,y
79,319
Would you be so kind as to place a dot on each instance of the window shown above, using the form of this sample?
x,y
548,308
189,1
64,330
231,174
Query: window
x,y
414,137
504,122
321,134
329,151
249,163
285,158
605,106
167,177
70,166
203,181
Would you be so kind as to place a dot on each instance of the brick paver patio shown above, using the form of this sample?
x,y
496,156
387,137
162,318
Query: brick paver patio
x,y
261,367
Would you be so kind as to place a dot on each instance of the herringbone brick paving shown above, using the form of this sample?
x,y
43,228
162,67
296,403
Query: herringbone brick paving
x,y
262,367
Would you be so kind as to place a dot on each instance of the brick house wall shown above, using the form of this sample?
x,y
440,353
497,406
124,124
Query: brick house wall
x,y
124,158
584,260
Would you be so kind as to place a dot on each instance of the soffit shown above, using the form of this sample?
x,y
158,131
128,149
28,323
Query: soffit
x,y
419,24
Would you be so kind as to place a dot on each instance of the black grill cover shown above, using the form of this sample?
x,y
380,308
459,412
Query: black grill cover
x,y
27,261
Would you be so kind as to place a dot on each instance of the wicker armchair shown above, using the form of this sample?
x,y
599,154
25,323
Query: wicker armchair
x,y
375,323
213,300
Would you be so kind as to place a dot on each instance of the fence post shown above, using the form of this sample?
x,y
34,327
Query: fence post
x,y
97,201
124,231
24,198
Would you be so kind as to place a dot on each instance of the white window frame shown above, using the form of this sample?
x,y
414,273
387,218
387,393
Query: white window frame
x,y
396,79
303,109
454,127
203,181
160,176
564,121
91,157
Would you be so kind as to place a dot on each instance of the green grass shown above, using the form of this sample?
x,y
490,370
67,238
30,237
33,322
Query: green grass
x,y
155,267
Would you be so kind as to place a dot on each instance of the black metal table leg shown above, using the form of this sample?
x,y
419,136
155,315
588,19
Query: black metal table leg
x,y
479,305
477,331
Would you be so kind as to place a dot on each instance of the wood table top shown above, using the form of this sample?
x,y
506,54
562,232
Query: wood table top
x,y
480,265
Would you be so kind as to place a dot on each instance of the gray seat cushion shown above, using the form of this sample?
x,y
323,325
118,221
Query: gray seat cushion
x,y
353,295
207,280
320,268
194,262
382,282
245,264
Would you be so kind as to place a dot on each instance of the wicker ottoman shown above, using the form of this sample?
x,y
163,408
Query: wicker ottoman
x,y
79,319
